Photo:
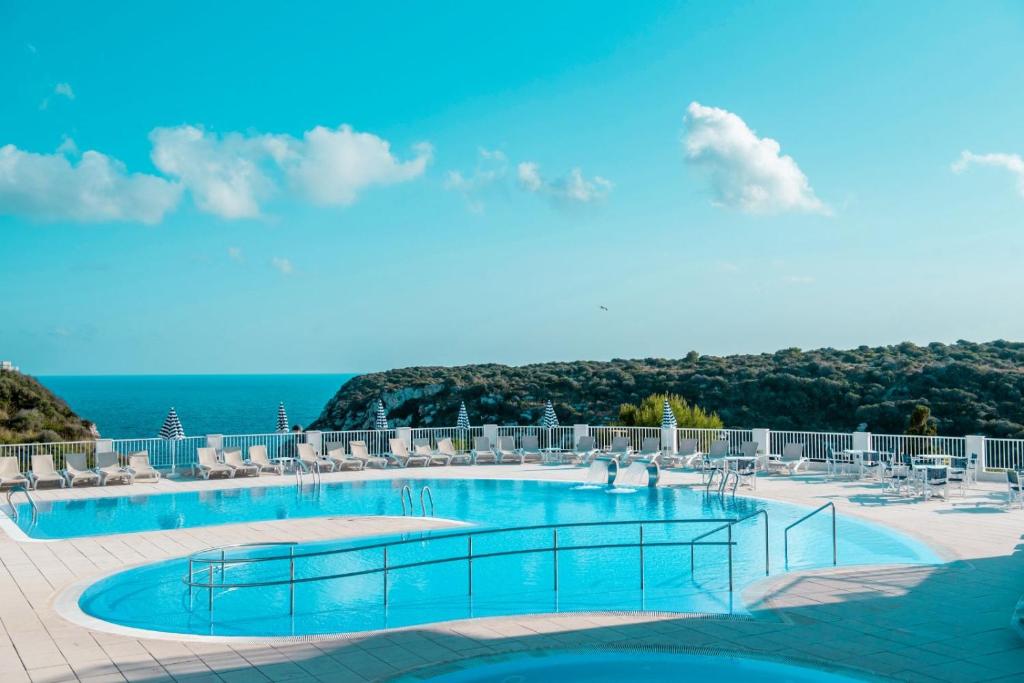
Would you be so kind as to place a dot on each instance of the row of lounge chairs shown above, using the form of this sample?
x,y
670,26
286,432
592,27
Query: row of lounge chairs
x,y
107,469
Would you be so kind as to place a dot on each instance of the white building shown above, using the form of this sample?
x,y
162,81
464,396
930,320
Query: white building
x,y
8,365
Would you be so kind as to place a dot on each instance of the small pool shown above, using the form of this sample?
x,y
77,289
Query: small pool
x,y
153,596
620,667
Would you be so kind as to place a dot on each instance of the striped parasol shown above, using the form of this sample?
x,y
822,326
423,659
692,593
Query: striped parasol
x,y
549,420
172,430
668,418
282,418
380,421
463,420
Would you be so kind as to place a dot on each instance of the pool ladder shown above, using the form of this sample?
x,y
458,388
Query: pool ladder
x,y
812,513
301,469
425,495
19,488
724,481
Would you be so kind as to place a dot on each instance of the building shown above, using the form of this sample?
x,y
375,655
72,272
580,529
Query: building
x,y
8,365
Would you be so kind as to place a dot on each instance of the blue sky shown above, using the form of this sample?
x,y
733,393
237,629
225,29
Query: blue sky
x,y
326,188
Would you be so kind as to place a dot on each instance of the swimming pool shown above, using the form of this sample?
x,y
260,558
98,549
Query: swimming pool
x,y
154,597
619,667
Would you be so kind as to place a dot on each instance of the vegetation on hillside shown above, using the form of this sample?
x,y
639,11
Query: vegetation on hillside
x,y
29,412
649,413
969,388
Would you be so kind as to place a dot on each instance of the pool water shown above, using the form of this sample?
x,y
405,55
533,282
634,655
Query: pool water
x,y
620,667
154,596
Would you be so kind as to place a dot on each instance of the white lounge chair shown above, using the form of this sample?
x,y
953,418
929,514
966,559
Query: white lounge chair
x,y
258,457
688,452
650,450
108,466
584,451
482,452
713,459
359,451
620,449
233,459
208,464
76,470
140,468
10,473
421,449
446,447
790,461
506,450
1014,488
401,456
529,450
310,460
43,471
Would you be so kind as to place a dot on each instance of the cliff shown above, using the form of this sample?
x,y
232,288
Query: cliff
x,y
30,412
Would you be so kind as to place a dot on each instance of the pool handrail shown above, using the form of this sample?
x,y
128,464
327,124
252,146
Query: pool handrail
x,y
430,496
729,526
21,488
785,534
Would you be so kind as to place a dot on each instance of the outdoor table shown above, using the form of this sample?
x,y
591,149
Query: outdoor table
x,y
730,459
290,463
935,458
551,455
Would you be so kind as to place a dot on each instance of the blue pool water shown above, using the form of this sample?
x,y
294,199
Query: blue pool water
x,y
620,667
154,597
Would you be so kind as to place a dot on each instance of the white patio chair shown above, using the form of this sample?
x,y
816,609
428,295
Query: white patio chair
x,y
482,451
506,450
76,470
310,460
446,448
790,461
208,464
1014,488
140,468
233,459
10,473
529,450
359,451
258,456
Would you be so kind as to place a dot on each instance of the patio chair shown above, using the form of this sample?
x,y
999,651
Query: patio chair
x,y
898,473
43,471
506,450
140,467
791,460
584,451
208,464
482,451
258,457
310,460
233,459
713,459
972,469
108,466
529,450
620,449
446,447
1015,488
958,473
935,478
10,473
650,450
688,452
76,470
401,456
360,452
421,449
746,472
871,464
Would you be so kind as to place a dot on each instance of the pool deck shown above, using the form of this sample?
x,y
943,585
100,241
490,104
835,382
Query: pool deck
x,y
949,622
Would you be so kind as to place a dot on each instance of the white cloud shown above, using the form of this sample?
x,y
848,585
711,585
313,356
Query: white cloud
x,y
234,174
491,168
746,172
798,279
574,187
282,264
1009,162
65,90
235,253
96,188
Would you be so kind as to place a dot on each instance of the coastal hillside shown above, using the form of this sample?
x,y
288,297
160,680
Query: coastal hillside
x,y
30,412
971,388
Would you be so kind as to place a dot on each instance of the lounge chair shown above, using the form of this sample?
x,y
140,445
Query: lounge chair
x,y
342,461
233,459
482,452
76,471
936,478
258,457
506,450
310,460
10,473
446,448
791,460
401,456
529,450
139,466
688,452
108,466
650,450
1015,488
620,449
44,472
957,473
421,449
584,451
208,464
713,459
360,452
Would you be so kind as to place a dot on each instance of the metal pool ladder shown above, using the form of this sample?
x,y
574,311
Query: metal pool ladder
x,y
810,514
19,488
425,495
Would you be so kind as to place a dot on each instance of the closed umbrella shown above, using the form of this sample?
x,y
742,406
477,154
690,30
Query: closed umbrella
x,y
380,421
668,418
463,420
172,431
282,419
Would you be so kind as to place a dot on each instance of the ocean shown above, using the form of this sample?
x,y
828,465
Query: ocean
x,y
134,406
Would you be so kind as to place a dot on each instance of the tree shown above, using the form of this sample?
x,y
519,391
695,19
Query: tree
x,y
648,413
921,422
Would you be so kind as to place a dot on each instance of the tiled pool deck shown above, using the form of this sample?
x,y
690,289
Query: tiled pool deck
x,y
947,623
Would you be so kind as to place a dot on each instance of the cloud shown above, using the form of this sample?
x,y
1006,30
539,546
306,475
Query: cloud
x,y
1010,162
233,175
798,279
282,264
573,187
65,90
492,167
235,253
746,172
96,188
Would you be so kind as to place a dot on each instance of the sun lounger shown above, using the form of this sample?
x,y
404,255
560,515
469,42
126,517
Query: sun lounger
x,y
688,452
76,470
584,452
401,456
208,464
620,450
421,448
446,448
482,452
138,465
650,450
791,459
258,457
233,459
108,466
529,450
311,461
10,473
43,471
506,450
360,452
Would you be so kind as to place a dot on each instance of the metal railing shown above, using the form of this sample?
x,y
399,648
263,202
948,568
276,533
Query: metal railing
x,y
20,488
785,534
728,527
212,557
816,444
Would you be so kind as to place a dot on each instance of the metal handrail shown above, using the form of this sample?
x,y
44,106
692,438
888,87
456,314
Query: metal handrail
x,y
32,503
711,478
785,535
729,526
469,557
406,489
430,495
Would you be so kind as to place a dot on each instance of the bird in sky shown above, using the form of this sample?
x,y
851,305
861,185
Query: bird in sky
x,y
604,308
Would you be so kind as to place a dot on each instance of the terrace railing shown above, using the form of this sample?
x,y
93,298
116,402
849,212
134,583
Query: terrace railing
x,y
816,444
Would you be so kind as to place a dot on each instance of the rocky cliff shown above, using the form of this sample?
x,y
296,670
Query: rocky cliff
x,y
29,412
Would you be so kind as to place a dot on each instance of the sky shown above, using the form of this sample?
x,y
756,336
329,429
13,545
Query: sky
x,y
254,188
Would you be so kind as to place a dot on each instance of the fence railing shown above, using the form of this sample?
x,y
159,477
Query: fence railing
x,y
555,437
603,436
816,444
1004,454
377,441
918,445
462,439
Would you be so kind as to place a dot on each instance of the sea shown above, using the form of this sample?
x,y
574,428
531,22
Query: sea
x,y
134,406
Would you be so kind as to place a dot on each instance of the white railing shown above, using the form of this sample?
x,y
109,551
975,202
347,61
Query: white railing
x,y
462,439
918,445
279,444
377,441
555,437
603,436
705,437
162,453
1004,454
816,444
24,451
